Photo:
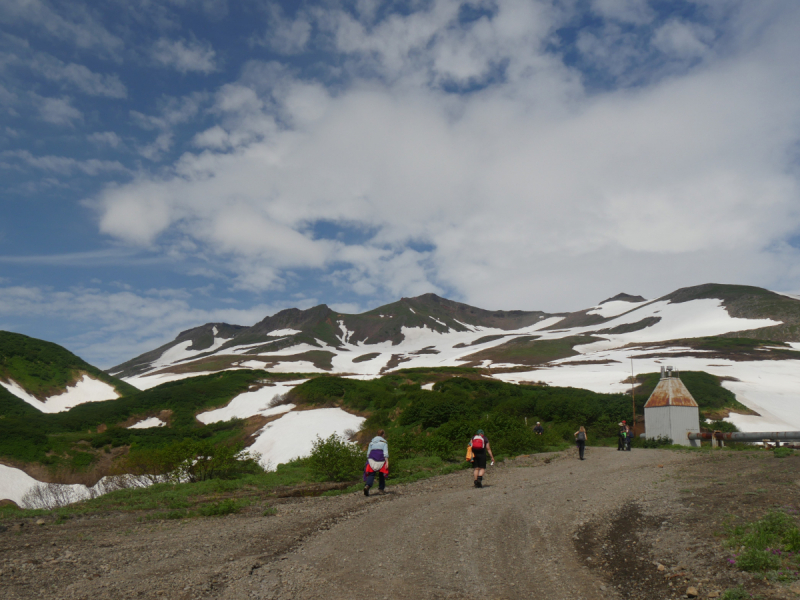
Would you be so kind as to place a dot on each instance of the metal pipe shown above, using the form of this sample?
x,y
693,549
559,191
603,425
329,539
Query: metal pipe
x,y
750,436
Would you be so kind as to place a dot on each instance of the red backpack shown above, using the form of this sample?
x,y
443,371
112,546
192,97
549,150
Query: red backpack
x,y
478,442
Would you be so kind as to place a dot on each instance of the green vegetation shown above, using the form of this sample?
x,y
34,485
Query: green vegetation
x,y
30,436
336,459
528,350
769,546
44,368
782,452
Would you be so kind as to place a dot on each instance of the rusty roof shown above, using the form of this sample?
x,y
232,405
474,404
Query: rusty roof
x,y
670,391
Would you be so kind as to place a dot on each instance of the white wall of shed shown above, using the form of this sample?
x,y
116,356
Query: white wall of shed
x,y
671,421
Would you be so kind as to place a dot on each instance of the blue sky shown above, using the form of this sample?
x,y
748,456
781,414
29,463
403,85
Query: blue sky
x,y
166,164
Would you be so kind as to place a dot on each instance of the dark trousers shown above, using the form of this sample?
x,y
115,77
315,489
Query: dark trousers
x,y
381,480
581,447
628,443
620,443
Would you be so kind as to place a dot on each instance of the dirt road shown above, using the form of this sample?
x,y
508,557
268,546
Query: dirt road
x,y
542,527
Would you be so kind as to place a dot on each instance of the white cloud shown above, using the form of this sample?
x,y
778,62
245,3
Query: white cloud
x,y
284,35
627,11
59,111
683,40
185,56
523,190
78,26
119,325
65,165
105,138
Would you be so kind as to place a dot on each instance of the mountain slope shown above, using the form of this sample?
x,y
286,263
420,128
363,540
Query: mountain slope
x,y
36,371
693,328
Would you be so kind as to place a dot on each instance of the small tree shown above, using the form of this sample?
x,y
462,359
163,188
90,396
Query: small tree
x,y
336,459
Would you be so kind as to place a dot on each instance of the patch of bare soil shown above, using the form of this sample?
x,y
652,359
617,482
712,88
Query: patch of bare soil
x,y
674,540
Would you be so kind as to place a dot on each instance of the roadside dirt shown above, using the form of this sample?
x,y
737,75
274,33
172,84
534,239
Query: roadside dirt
x,y
546,526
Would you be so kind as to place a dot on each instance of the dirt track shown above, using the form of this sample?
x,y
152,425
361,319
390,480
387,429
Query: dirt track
x,y
535,531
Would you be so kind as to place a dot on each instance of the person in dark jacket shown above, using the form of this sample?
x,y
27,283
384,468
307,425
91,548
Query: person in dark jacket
x,y
580,440
480,446
538,430
377,462
628,437
622,436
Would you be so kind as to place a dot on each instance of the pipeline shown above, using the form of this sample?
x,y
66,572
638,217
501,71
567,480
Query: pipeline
x,y
749,436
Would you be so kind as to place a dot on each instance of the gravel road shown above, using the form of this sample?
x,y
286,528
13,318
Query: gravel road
x,y
439,538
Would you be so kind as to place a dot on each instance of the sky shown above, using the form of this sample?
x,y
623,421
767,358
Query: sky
x,y
165,164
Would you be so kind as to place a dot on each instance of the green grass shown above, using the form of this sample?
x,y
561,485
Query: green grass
x,y
44,368
770,545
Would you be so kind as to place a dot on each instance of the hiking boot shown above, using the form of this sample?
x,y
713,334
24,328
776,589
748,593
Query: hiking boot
x,y
475,481
479,484
366,490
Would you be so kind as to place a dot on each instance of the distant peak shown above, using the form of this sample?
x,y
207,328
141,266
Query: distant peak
x,y
624,298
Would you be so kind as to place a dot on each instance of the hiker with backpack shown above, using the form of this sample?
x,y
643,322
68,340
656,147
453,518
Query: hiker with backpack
x,y
480,446
538,430
580,440
377,462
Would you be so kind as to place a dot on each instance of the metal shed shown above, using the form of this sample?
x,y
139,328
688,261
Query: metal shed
x,y
671,411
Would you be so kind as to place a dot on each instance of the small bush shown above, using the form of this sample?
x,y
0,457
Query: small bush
x,y
658,442
336,459
782,452
218,509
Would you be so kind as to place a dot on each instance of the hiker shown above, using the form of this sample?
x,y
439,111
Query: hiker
x,y
621,436
628,437
538,430
580,439
480,446
377,462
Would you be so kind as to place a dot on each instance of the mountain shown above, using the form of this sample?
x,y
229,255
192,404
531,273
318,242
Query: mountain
x,y
51,378
318,334
432,331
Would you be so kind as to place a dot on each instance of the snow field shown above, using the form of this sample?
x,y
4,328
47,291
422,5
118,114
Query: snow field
x,y
248,404
617,307
293,435
86,389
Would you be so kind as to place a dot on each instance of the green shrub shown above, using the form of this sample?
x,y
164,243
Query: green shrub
x,y
658,442
336,459
782,452
218,509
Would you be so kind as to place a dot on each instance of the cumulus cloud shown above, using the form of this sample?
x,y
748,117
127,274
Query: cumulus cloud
x,y
683,40
185,56
478,163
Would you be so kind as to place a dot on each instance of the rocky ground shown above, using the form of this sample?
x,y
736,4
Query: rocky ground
x,y
640,525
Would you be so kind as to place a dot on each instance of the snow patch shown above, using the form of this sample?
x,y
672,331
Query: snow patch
x,y
86,389
293,435
427,386
148,423
283,332
249,404
615,308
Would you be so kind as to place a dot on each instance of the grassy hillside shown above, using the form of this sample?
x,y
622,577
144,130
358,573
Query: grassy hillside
x,y
44,368
30,436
